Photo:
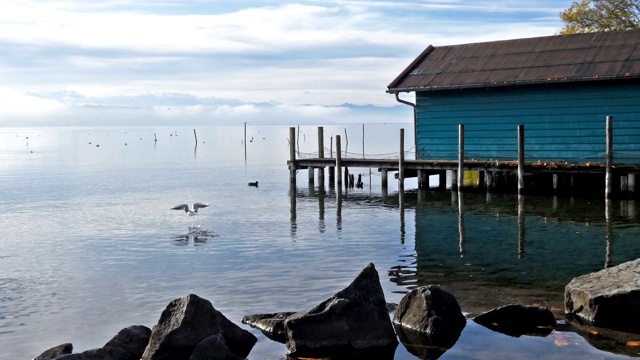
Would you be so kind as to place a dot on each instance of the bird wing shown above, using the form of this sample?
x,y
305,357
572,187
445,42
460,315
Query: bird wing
x,y
198,205
184,207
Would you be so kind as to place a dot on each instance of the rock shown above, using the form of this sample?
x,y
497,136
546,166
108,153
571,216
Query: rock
x,y
609,340
608,298
433,312
352,323
186,322
517,320
55,352
213,348
95,354
132,340
272,325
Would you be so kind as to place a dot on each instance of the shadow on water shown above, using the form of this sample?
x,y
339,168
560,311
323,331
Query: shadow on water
x,y
492,250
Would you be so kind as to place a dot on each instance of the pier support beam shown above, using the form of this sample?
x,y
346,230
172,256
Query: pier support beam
x,y
384,174
631,182
608,178
338,164
292,156
423,179
460,181
521,160
442,180
321,155
488,180
401,163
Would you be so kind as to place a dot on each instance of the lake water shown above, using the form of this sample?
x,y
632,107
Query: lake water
x,y
89,245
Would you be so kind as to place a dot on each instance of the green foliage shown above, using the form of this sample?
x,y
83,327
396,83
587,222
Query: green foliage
x,y
585,16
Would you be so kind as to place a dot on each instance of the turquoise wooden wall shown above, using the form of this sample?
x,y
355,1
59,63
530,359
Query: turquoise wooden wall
x,y
562,122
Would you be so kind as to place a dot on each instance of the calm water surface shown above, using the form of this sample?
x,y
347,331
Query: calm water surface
x,y
89,245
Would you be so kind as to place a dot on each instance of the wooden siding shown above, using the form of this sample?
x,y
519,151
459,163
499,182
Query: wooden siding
x,y
564,122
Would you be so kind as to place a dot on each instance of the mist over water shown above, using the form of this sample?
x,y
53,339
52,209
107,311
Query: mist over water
x,y
89,244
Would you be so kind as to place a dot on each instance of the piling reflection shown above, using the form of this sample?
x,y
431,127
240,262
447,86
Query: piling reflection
x,y
521,226
461,230
608,262
293,218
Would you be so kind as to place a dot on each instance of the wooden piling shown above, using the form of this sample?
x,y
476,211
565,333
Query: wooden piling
x,y
384,174
311,174
292,155
338,164
460,182
321,154
401,163
631,183
442,180
520,159
608,179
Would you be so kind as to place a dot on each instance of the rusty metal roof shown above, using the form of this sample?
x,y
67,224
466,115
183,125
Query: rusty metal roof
x,y
549,59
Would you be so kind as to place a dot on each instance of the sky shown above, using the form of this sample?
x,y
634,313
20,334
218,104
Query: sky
x,y
221,62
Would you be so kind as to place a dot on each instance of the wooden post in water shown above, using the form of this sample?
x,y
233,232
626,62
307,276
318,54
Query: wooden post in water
x,y
608,179
401,163
520,159
292,155
338,164
332,169
321,155
631,183
245,140
460,174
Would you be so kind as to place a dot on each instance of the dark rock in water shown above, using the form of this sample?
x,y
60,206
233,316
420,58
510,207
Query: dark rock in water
x,y
518,320
213,348
433,312
272,325
95,354
55,352
352,323
608,298
132,340
186,322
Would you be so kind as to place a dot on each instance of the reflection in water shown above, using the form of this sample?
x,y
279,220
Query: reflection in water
x,y
321,197
461,232
195,235
608,206
292,197
521,224
402,222
339,208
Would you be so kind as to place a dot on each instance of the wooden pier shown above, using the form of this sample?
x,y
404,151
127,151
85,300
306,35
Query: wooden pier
x,y
517,176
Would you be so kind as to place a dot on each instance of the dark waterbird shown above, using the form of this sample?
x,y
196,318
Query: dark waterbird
x,y
255,183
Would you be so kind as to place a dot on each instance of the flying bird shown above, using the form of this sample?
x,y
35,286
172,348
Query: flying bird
x,y
190,211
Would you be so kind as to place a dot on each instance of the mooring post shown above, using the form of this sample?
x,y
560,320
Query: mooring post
x,y
631,184
292,155
442,180
608,179
454,180
488,180
321,155
460,156
521,159
554,180
338,164
401,163
311,174
624,183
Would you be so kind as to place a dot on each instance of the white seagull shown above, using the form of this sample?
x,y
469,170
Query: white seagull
x,y
190,211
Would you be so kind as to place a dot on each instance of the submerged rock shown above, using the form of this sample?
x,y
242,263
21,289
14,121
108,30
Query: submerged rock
x,y
55,352
272,325
607,298
352,323
186,322
518,320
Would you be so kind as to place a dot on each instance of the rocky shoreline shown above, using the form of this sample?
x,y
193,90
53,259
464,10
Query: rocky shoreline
x,y
355,323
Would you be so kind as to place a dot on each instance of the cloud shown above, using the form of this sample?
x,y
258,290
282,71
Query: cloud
x,y
229,56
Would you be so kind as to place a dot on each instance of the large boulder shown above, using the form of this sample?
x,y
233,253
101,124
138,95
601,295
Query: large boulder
x,y
55,352
516,320
432,311
132,340
352,323
607,298
186,322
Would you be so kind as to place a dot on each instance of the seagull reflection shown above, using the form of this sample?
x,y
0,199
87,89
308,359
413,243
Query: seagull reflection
x,y
195,236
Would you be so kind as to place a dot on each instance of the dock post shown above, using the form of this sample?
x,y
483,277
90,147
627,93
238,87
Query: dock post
x,y
554,179
423,179
608,179
631,183
321,155
292,155
385,180
442,180
488,180
332,169
401,163
454,180
624,183
460,156
338,164
311,174
521,161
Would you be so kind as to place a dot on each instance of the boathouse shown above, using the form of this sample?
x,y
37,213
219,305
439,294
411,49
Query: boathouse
x,y
561,88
